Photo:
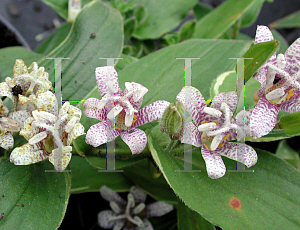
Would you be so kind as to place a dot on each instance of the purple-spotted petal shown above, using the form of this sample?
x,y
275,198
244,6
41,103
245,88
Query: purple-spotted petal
x,y
291,106
230,98
111,196
76,131
28,154
263,34
263,118
191,135
137,98
292,56
20,117
193,102
214,164
60,165
138,195
158,208
47,102
6,141
136,140
239,152
104,222
91,109
99,134
107,79
150,113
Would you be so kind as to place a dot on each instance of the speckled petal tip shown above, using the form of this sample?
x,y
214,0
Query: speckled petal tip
x,y
99,134
263,118
239,152
91,109
27,154
214,164
292,56
105,76
290,106
136,140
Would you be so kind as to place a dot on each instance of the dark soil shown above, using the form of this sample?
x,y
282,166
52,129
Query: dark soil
x,y
7,37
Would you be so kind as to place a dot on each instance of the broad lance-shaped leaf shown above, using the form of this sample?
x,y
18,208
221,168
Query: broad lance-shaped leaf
x,y
189,219
84,50
214,24
32,198
267,197
290,21
54,39
259,54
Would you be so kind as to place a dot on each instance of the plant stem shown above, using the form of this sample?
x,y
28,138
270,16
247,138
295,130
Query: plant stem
x,y
236,29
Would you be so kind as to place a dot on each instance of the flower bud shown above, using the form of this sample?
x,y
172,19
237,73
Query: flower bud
x,y
172,120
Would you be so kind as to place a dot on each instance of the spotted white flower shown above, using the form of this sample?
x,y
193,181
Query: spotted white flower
x,y
130,215
24,87
124,111
280,86
8,126
213,127
49,133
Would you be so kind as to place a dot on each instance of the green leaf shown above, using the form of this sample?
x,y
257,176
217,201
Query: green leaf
x,y
187,30
141,14
127,60
170,39
78,73
8,57
55,39
259,53
130,26
214,24
251,14
201,9
290,123
157,188
189,219
285,152
163,16
242,36
283,43
38,191
86,178
272,190
290,21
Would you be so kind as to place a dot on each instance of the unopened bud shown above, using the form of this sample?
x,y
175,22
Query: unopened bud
x,y
172,120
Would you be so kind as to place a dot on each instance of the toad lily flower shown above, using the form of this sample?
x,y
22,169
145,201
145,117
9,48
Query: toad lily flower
x,y
123,109
131,215
24,87
49,133
7,127
215,126
275,95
